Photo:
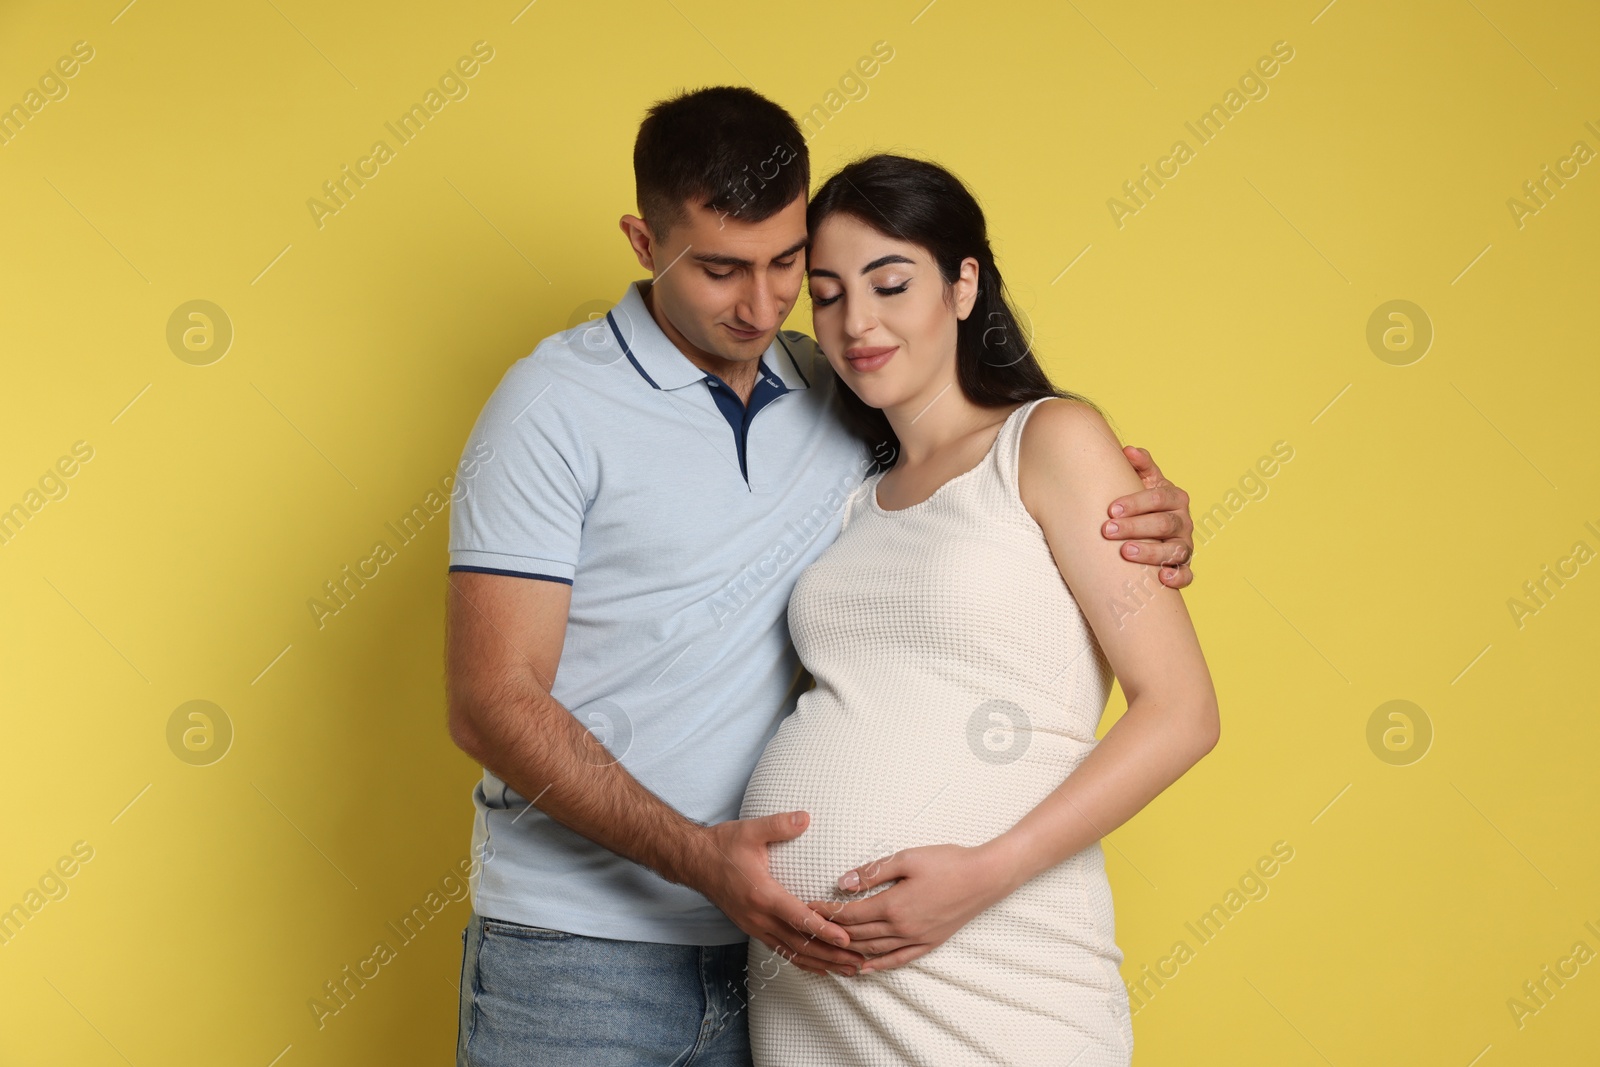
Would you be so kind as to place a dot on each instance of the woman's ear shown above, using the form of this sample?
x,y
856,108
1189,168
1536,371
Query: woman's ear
x,y
966,287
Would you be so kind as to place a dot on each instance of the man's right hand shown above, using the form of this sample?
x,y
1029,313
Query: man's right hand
x,y
503,642
731,871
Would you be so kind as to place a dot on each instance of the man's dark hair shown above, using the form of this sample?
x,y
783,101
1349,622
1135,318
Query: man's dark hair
x,y
726,147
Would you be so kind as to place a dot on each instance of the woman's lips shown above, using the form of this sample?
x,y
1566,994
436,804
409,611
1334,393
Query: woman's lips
x,y
869,359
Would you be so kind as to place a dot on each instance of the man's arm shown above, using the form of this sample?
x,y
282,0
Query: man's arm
x,y
503,639
1159,515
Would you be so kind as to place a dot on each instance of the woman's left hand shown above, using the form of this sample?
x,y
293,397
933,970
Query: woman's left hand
x,y
941,888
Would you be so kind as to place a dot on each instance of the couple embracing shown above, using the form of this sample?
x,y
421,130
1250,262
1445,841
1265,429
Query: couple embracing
x,y
784,658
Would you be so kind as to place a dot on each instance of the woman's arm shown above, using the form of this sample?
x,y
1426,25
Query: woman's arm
x,y
1069,463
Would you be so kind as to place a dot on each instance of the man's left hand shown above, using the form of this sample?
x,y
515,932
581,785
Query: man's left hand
x,y
1154,521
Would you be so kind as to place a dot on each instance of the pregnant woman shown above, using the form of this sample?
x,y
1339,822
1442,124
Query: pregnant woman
x,y
963,632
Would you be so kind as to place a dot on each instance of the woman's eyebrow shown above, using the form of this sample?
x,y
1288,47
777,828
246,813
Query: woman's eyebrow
x,y
819,272
890,258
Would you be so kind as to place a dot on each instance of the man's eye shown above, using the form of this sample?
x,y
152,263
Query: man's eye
x,y
714,274
786,264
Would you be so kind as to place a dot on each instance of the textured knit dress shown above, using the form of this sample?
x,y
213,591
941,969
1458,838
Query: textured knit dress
x,y
957,685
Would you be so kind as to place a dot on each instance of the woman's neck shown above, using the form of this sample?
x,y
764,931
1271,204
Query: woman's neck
x,y
928,422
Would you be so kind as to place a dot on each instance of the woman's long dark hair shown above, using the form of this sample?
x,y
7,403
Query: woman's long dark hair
x,y
922,203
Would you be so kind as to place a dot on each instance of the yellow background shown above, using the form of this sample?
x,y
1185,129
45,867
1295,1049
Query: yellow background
x,y
1228,314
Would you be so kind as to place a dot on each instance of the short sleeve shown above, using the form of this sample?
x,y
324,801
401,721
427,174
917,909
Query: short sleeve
x,y
520,496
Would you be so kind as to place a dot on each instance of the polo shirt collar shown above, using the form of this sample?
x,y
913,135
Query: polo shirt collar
x,y
659,361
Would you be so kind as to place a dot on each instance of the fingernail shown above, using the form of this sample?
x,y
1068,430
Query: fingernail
x,y
1133,550
850,881
796,818
1111,527
1116,509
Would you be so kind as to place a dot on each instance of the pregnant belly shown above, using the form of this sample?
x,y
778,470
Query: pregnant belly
x,y
874,785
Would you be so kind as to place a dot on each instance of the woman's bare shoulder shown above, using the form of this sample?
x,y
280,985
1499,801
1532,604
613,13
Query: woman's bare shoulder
x,y
1064,432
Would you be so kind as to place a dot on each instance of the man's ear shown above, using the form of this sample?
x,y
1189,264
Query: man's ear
x,y
966,287
643,241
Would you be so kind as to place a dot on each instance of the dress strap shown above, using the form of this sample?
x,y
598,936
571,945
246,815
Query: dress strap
x,y
1008,447
856,499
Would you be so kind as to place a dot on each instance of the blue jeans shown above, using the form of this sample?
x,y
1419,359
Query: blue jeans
x,y
532,997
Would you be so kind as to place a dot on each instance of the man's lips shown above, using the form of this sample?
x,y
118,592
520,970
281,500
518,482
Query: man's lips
x,y
745,335
866,359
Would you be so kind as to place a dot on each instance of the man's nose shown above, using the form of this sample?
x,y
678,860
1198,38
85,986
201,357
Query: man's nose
x,y
759,308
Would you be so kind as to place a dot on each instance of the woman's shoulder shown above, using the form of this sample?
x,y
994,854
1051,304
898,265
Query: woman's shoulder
x,y
1067,446
1060,425
857,499
1064,410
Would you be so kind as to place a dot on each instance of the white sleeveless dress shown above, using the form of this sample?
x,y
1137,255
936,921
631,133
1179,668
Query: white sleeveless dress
x,y
957,685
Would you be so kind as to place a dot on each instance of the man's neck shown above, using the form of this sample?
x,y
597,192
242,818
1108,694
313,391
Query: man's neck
x,y
739,374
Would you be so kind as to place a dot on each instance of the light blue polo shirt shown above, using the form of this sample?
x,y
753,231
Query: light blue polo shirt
x,y
681,519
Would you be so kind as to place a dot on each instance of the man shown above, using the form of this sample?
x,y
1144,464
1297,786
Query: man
x,y
656,482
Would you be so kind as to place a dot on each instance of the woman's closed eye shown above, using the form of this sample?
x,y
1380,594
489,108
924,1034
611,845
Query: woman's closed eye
x,y
824,301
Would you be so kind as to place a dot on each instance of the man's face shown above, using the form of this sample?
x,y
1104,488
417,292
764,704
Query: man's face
x,y
726,285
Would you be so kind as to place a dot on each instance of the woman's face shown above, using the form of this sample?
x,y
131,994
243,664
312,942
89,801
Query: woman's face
x,y
882,312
